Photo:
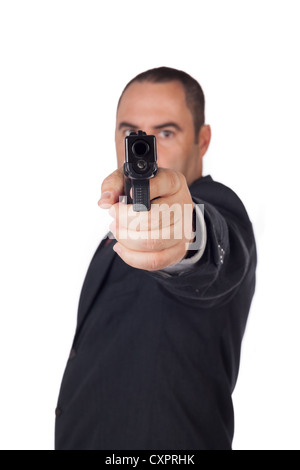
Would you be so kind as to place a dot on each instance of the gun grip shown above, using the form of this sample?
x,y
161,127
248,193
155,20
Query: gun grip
x,y
141,195
140,192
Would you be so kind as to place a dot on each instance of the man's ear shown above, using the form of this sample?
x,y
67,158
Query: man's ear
x,y
204,139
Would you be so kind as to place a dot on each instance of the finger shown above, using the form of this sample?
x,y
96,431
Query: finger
x,y
150,261
154,240
111,188
166,183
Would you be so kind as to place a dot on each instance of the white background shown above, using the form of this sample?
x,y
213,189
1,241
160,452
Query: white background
x,y
63,67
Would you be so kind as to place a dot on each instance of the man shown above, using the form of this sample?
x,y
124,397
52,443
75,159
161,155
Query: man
x,y
156,352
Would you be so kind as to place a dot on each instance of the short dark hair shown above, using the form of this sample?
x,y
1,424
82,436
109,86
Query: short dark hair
x,y
195,99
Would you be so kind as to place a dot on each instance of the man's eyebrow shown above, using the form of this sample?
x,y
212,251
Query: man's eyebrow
x,y
127,125
168,124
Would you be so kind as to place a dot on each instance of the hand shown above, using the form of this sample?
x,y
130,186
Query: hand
x,y
164,232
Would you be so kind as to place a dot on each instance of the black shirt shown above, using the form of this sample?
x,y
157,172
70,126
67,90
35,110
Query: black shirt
x,y
155,357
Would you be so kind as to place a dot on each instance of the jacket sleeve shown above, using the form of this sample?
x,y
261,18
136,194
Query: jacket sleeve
x,y
195,252
229,257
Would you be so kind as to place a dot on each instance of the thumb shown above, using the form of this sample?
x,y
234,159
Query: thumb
x,y
111,188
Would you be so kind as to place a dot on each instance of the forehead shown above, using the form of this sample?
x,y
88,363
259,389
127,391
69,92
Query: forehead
x,y
163,100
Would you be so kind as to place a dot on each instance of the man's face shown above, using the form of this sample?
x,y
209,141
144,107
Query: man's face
x,y
160,109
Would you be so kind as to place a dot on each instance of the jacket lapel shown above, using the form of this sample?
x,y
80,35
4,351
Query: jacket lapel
x,y
97,272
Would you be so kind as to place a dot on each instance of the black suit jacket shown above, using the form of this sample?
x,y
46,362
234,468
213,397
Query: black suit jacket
x,y
155,357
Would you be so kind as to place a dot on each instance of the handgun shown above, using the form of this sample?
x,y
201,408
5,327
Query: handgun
x,y
139,167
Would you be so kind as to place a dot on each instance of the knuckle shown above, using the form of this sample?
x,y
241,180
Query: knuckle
x,y
183,183
181,177
174,181
151,244
154,262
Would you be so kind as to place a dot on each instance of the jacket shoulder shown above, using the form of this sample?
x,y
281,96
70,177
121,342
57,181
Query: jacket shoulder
x,y
220,196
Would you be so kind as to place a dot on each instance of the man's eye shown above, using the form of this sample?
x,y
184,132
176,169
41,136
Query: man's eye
x,y
127,132
166,134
